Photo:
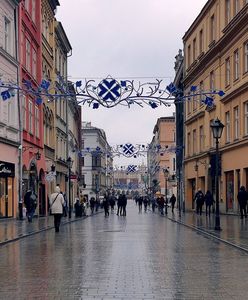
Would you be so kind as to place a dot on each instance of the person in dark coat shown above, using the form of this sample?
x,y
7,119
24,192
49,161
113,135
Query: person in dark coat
x,y
161,204
119,205
172,201
112,202
209,201
30,201
78,208
140,201
124,204
199,199
92,204
106,205
145,201
242,199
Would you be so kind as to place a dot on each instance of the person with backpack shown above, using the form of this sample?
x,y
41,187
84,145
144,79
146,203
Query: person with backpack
x,y
199,199
56,205
30,201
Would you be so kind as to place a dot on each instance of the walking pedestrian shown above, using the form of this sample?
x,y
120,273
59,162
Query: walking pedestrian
x,y
161,204
140,201
56,205
78,208
145,203
173,201
92,204
124,204
242,199
209,201
106,205
153,200
119,205
30,201
199,199
112,202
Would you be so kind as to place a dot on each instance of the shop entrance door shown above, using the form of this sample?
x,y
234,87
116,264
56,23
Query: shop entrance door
x,y
6,197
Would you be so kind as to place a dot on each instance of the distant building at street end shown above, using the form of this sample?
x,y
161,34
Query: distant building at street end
x,y
216,57
164,136
97,167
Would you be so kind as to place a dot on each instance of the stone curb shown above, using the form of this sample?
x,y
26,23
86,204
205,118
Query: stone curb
x,y
204,232
25,235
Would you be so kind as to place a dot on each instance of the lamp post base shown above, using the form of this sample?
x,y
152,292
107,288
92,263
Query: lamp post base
x,y
217,228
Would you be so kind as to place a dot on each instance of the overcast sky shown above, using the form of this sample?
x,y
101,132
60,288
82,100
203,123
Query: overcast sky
x,y
126,39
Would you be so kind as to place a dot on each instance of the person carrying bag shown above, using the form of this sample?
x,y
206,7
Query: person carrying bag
x,y
56,206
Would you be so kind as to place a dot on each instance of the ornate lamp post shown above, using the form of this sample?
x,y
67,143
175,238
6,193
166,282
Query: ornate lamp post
x,y
70,163
217,128
166,175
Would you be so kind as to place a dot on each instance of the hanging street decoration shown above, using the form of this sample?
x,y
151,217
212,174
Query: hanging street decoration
x,y
130,150
110,92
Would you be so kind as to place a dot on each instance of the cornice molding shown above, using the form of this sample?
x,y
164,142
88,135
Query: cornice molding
x,y
195,117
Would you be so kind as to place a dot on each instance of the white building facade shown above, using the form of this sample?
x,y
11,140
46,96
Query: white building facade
x,y
10,135
97,164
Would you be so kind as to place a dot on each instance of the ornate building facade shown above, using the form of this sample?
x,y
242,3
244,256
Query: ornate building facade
x,y
216,57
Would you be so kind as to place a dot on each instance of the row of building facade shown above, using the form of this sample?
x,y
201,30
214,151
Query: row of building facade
x,y
37,141
215,57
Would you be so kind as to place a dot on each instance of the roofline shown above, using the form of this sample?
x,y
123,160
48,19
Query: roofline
x,y
198,18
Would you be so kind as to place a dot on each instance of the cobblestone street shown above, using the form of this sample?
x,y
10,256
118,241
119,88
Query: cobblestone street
x,y
142,256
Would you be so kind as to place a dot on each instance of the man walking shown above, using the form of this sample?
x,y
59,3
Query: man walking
x,y
172,201
199,199
30,201
242,199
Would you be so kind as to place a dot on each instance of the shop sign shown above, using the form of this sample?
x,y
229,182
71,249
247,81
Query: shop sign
x,y
7,169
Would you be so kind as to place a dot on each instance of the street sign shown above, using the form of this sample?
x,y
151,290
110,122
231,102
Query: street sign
x,y
73,176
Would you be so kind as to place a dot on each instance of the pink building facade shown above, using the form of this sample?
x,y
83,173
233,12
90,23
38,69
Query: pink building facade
x,y
30,52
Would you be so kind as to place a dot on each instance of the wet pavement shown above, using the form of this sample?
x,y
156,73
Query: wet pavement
x,y
141,256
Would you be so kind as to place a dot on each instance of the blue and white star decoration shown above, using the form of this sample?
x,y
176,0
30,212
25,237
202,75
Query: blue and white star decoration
x,y
110,92
130,150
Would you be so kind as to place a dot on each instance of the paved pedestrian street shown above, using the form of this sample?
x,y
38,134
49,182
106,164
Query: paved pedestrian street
x,y
141,256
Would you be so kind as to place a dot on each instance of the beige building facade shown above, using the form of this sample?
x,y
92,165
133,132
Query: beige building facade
x,y
164,134
216,57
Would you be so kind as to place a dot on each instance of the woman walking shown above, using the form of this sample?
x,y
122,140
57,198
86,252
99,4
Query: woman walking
x,y
56,204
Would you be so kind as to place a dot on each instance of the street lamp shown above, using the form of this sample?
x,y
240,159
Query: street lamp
x,y
217,128
166,175
69,163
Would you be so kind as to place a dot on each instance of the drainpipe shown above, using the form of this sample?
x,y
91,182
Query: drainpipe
x,y
20,151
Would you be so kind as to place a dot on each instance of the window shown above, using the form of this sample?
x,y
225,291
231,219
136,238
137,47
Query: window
x,y
7,35
236,64
195,103
228,11
37,122
194,141
10,111
246,118
236,122
34,63
228,71
30,116
201,138
189,144
189,56
28,55
189,105
236,6
201,41
212,83
227,127
33,15
27,5
246,57
194,50
212,29
24,113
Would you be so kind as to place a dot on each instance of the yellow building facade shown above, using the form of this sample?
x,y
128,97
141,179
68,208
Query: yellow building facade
x,y
216,57
48,8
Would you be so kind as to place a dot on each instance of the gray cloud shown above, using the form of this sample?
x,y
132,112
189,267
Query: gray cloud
x,y
126,38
